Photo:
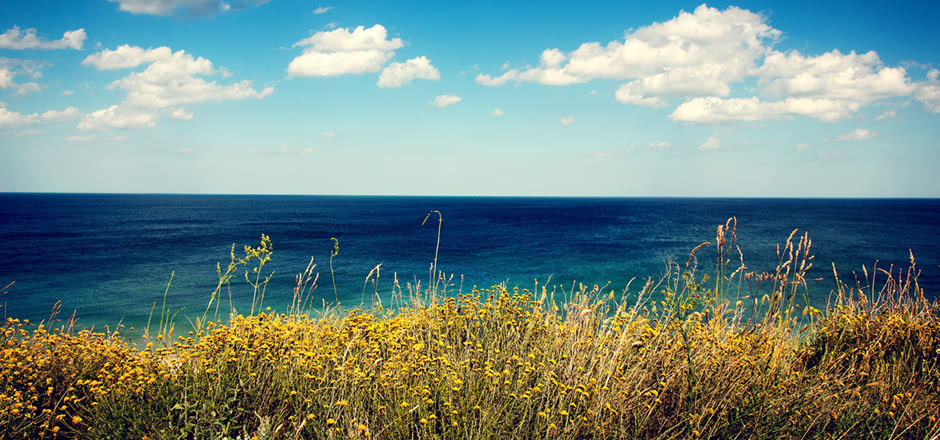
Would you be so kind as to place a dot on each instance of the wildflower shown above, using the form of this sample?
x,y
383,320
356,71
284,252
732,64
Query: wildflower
x,y
330,422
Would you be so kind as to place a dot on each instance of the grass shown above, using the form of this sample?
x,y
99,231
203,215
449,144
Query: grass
x,y
737,354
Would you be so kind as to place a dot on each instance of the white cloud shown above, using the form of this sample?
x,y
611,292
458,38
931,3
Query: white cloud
x,y
399,74
717,110
700,56
59,116
342,40
27,39
127,56
593,93
712,143
693,54
659,145
928,92
328,133
802,146
828,87
10,68
192,8
852,77
322,10
497,112
28,88
181,114
82,138
707,79
186,150
567,120
26,133
859,134
446,100
118,116
887,114
67,93
552,58
170,81
13,119
338,63
341,52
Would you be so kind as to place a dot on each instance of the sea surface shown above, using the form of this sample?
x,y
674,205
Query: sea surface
x,y
109,257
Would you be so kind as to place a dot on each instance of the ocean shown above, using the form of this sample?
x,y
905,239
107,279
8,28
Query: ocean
x,y
109,257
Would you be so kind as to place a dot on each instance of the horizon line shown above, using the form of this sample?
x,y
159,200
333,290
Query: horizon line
x,y
478,196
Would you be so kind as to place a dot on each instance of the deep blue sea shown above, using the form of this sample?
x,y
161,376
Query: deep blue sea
x,y
110,256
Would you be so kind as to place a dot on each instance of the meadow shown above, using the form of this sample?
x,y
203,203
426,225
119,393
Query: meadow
x,y
731,353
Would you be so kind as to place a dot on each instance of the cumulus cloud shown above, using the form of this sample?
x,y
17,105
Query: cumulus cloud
x,y
25,133
342,52
192,8
328,133
84,138
567,120
118,116
10,119
802,146
659,145
693,54
712,143
887,114
181,114
699,56
399,74
852,77
716,110
15,39
322,10
10,68
446,101
928,93
497,112
859,134
170,81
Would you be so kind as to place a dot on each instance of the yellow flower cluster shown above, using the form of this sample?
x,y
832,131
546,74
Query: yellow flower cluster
x,y
688,361
49,377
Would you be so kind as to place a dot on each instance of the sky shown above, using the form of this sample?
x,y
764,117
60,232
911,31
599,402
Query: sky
x,y
488,98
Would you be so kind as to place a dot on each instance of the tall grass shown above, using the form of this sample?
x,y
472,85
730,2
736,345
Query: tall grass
x,y
733,354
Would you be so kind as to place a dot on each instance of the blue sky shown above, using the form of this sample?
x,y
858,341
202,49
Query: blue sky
x,y
744,99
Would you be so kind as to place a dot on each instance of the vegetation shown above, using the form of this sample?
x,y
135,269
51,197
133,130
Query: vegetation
x,y
734,355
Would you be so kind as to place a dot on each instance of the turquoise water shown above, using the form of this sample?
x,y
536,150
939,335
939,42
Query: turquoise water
x,y
110,256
